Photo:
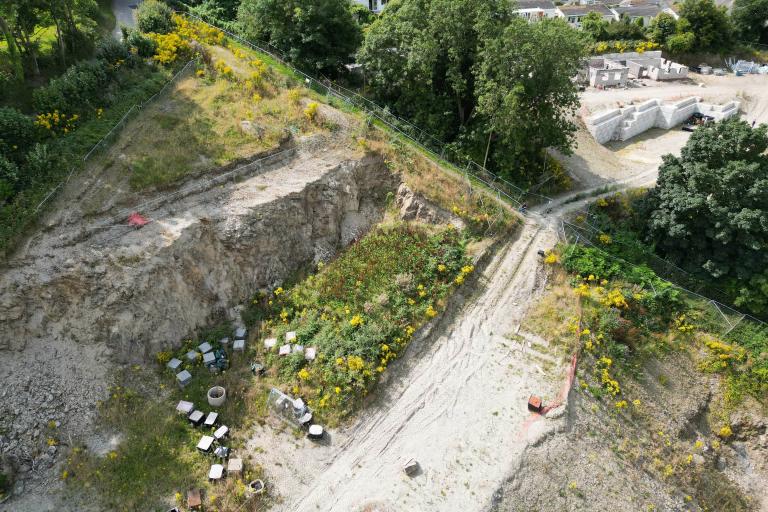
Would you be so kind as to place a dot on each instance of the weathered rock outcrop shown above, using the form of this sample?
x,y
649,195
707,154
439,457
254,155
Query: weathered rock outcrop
x,y
90,293
143,294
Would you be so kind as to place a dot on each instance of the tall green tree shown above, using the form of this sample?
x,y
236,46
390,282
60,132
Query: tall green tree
x,y
709,23
662,27
525,88
460,68
709,209
750,20
595,25
8,14
419,57
317,35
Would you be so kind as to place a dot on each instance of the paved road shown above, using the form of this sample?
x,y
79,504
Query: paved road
x,y
124,14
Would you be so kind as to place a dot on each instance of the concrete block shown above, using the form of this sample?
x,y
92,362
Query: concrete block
x,y
239,346
192,355
205,347
270,343
174,364
183,378
209,358
240,332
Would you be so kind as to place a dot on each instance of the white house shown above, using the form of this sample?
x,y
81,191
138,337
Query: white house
x,y
573,14
373,5
634,12
533,10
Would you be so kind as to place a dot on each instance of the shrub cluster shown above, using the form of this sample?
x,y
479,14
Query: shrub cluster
x,y
361,310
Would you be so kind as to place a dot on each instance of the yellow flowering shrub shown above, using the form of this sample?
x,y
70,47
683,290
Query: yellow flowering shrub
x,y
311,111
57,123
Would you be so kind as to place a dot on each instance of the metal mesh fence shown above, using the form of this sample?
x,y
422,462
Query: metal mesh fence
x,y
720,317
114,132
382,115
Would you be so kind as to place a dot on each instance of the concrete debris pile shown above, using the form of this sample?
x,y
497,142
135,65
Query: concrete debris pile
x,y
613,69
743,67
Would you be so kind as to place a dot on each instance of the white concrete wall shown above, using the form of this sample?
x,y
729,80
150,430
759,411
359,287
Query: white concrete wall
x,y
625,123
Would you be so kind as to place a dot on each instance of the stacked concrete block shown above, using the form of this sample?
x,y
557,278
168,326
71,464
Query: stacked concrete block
x,y
628,122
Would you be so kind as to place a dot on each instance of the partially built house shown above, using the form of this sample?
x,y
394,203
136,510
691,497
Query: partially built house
x,y
625,123
613,69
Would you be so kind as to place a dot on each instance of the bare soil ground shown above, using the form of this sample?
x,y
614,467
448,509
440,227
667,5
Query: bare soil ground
x,y
594,164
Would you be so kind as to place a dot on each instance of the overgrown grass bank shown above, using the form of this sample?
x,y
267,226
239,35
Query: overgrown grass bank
x,y
360,311
626,318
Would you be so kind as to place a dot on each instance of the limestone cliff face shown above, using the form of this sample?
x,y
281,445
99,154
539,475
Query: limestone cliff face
x,y
147,289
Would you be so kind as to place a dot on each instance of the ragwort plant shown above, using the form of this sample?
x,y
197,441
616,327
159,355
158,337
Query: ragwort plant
x,y
361,310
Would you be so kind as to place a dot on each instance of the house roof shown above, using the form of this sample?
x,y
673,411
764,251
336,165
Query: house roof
x,y
638,10
535,4
583,10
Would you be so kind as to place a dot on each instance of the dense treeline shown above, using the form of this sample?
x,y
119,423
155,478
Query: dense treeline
x,y
42,36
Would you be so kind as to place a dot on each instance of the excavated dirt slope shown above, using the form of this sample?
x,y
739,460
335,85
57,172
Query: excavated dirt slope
x,y
91,292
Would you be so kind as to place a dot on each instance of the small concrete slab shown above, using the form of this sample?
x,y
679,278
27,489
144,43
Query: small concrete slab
x,y
224,342
185,407
205,443
284,350
183,378
196,417
239,346
204,347
211,419
209,358
290,336
192,355
270,343
310,354
221,432
216,472
174,364
240,332
298,349
235,466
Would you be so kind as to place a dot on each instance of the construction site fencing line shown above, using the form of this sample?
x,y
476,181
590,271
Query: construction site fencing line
x,y
729,317
419,137
116,129
663,267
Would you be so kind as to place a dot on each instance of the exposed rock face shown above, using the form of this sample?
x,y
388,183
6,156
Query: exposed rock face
x,y
413,206
86,296
145,293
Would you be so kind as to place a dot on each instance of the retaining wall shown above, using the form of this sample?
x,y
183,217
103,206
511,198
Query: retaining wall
x,y
625,123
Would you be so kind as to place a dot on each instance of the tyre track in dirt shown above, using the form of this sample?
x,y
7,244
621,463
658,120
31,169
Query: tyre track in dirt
x,y
457,408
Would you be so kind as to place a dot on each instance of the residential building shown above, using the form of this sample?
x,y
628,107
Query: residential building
x,y
634,12
533,10
573,14
373,5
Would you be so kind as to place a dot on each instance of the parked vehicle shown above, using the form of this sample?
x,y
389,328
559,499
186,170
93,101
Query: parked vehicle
x,y
695,121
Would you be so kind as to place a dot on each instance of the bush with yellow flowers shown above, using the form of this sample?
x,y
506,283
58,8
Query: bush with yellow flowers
x,y
57,123
361,310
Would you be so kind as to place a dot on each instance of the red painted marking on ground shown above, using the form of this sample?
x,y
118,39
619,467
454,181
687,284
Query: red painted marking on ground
x,y
560,400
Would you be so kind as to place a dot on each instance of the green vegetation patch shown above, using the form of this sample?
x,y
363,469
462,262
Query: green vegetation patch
x,y
361,310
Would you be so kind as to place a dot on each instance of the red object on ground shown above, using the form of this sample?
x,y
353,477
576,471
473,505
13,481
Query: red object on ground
x,y
137,220
534,403
561,398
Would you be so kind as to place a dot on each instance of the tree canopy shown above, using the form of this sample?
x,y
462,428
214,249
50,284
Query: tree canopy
x,y
709,209
708,22
471,70
750,20
525,87
317,35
